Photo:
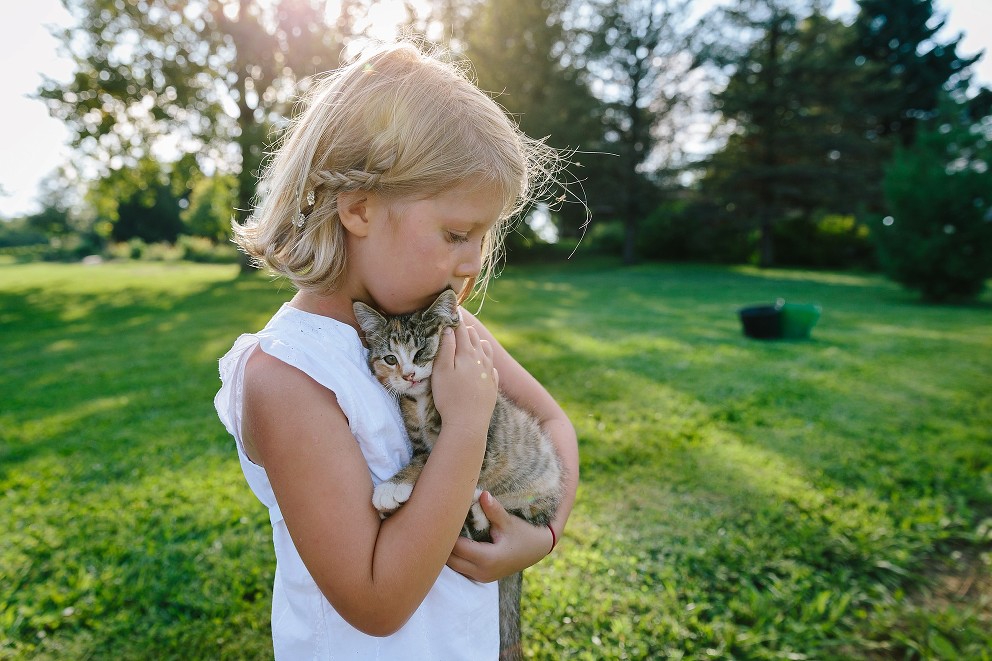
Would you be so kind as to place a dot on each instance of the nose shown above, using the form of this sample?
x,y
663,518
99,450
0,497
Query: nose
x,y
409,376
469,263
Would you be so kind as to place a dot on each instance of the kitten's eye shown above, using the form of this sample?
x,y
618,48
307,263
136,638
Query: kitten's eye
x,y
390,359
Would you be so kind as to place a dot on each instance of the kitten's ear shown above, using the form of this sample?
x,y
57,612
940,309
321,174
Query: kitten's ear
x,y
444,308
370,320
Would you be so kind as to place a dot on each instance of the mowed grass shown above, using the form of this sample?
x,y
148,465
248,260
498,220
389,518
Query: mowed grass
x,y
817,499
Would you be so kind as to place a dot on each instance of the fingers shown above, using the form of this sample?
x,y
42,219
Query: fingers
x,y
494,511
472,348
446,350
472,559
464,381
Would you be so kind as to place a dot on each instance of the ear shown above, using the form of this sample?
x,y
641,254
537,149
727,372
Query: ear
x,y
370,320
353,212
445,308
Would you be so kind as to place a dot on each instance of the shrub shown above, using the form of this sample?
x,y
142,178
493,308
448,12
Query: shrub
x,y
696,230
938,239
203,250
605,237
825,241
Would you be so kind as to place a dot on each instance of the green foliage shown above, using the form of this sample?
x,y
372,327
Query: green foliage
x,y
21,232
739,499
908,68
695,230
174,71
195,249
798,144
939,240
211,205
825,241
151,215
637,52
814,108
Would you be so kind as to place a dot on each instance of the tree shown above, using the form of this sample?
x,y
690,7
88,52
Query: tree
x,y
637,56
520,52
210,203
938,239
163,78
796,143
907,67
143,201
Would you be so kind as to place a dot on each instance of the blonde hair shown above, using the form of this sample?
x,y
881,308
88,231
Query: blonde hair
x,y
397,122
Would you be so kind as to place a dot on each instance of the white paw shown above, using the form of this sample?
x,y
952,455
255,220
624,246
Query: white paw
x,y
388,496
479,520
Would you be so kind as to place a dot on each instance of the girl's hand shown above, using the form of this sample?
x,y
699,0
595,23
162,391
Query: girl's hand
x,y
464,381
516,545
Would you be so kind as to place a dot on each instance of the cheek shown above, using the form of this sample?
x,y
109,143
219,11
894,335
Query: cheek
x,y
383,372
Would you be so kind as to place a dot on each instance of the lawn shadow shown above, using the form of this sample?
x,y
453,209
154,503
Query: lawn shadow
x,y
117,360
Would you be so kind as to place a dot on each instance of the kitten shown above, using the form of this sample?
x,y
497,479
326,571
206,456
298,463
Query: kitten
x,y
521,467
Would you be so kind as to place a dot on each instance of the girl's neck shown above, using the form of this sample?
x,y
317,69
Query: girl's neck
x,y
336,306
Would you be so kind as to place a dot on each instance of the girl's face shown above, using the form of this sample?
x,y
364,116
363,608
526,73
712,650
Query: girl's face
x,y
416,248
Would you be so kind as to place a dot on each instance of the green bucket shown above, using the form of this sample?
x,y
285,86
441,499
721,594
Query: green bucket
x,y
798,320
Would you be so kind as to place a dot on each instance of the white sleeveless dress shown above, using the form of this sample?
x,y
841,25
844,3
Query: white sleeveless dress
x,y
459,618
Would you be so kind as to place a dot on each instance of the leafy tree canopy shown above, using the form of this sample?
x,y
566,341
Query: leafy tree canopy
x,y
162,78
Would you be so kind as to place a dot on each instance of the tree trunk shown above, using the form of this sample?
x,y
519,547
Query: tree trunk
x,y
766,248
630,240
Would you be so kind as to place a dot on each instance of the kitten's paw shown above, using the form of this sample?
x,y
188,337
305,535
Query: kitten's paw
x,y
478,518
388,496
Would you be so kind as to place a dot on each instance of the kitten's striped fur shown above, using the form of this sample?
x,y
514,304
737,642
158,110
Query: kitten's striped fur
x,y
521,467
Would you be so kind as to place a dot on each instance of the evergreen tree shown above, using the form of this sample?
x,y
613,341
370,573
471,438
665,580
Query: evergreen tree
x,y
908,68
796,141
639,64
938,239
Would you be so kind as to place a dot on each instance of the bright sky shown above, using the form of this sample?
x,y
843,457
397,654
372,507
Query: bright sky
x,y
34,143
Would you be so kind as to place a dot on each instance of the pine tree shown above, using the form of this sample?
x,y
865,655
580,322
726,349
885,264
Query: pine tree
x,y
938,238
908,69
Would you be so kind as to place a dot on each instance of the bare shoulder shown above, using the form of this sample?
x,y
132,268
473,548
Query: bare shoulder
x,y
282,402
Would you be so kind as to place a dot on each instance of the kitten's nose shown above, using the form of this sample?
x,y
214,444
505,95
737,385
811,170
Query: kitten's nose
x,y
408,376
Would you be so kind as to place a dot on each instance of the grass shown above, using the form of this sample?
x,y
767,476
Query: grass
x,y
820,499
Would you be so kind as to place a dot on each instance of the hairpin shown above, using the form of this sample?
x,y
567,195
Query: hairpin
x,y
302,217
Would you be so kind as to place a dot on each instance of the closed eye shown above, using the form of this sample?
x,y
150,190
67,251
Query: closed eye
x,y
456,237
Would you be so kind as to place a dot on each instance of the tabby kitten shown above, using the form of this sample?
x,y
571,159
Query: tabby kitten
x,y
520,468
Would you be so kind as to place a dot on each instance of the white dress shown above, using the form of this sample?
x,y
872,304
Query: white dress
x,y
459,618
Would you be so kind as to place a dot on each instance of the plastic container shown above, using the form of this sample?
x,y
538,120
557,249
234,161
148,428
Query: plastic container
x,y
790,321
762,322
798,320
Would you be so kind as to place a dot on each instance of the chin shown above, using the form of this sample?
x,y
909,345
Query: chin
x,y
421,388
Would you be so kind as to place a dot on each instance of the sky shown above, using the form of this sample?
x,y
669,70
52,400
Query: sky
x,y
34,144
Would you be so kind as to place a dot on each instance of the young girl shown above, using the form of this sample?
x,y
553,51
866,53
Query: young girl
x,y
395,183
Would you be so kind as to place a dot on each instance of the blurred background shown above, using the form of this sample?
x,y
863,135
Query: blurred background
x,y
844,134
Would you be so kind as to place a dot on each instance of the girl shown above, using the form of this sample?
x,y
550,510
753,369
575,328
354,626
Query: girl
x,y
395,183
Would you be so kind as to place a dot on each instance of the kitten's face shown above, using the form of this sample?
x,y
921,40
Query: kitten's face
x,y
402,349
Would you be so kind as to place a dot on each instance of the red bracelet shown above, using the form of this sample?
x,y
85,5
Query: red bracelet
x,y
554,539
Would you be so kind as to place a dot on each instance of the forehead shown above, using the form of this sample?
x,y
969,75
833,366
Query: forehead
x,y
465,206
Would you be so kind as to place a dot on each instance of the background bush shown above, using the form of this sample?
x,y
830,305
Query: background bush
x,y
938,239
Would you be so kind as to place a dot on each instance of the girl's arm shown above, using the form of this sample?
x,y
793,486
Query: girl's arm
x,y
375,573
516,543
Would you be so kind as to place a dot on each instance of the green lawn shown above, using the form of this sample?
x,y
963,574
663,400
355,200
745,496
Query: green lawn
x,y
816,499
